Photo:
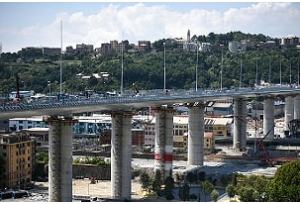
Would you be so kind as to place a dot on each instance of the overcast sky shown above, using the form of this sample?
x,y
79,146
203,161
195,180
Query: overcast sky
x,y
38,24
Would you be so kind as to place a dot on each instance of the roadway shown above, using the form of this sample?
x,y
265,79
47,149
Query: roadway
x,y
133,102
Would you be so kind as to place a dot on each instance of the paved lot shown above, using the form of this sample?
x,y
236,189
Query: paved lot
x,y
80,187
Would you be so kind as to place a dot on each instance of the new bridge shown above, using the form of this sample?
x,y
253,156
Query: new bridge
x,y
122,108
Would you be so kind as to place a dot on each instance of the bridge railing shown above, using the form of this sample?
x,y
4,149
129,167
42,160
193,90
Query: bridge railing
x,y
145,95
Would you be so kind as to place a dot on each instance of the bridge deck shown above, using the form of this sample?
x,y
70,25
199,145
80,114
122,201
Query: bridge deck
x,y
128,102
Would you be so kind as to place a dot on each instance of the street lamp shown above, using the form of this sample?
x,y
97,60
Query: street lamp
x,y
49,85
280,81
122,69
164,67
270,70
256,72
241,71
196,69
60,70
290,72
221,83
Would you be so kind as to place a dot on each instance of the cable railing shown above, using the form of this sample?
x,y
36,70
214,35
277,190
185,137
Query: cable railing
x,y
144,96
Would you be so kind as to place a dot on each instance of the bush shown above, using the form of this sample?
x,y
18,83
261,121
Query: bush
x,y
230,190
193,197
285,186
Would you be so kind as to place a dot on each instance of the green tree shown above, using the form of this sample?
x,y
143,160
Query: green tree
x,y
169,185
185,192
2,167
145,181
214,195
230,190
208,187
248,194
156,184
285,186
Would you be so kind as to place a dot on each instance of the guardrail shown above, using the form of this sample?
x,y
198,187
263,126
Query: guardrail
x,y
146,96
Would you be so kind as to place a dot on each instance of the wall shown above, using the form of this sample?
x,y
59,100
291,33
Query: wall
x,y
87,171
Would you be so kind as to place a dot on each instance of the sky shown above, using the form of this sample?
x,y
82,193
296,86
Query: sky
x,y
38,24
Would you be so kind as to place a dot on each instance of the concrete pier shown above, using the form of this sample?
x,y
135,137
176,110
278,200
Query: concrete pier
x,y
297,107
163,149
240,125
121,141
288,111
268,123
196,134
60,158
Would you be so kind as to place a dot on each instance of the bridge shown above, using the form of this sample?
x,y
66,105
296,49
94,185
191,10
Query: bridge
x,y
130,102
122,108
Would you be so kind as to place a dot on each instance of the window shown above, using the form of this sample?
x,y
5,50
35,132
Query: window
x,y
28,165
17,153
4,146
21,121
28,158
28,144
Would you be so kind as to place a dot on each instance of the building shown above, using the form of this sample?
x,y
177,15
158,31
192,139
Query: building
x,y
209,142
236,47
181,142
290,41
40,136
188,45
222,108
114,45
205,47
31,52
105,49
218,126
4,126
70,51
84,49
144,46
18,153
18,124
256,109
47,51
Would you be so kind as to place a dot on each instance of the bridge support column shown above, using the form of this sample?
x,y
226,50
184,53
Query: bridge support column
x,y
196,135
288,111
268,122
239,132
297,107
163,149
60,158
121,141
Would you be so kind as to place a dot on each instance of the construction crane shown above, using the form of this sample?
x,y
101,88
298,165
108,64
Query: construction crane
x,y
265,158
17,98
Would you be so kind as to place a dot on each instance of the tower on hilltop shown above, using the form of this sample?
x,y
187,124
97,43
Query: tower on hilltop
x,y
188,38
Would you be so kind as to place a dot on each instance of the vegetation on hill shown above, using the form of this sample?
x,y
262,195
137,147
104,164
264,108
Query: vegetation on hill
x,y
146,69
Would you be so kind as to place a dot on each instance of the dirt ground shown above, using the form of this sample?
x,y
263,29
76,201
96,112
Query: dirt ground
x,y
100,189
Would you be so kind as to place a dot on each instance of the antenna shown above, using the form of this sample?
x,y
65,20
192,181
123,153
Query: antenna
x,y
122,67
270,69
60,70
256,72
0,49
298,73
290,72
280,72
241,72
